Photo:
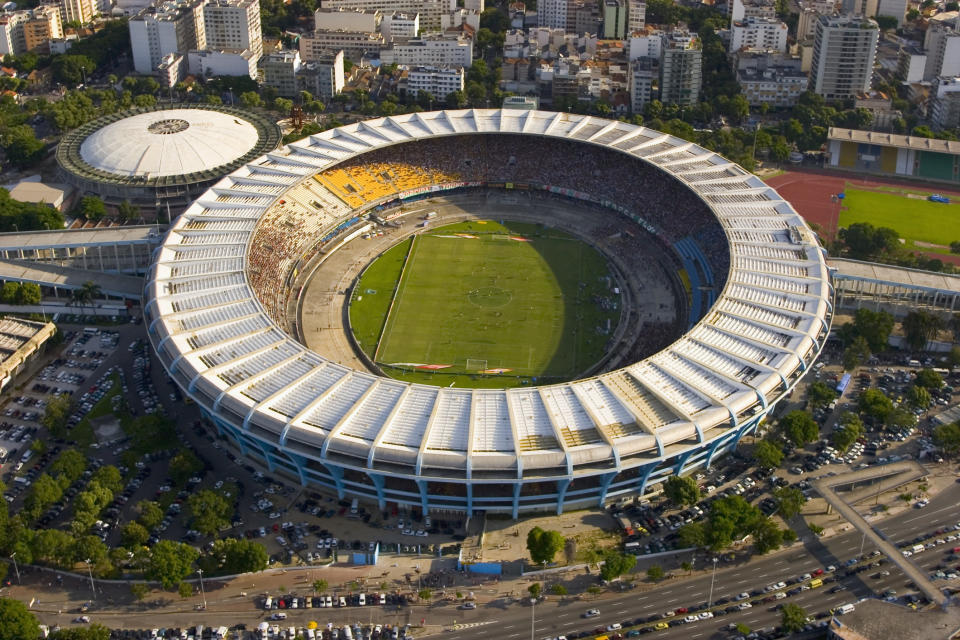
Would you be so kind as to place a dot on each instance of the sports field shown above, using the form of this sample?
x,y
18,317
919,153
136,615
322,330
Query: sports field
x,y
909,213
485,303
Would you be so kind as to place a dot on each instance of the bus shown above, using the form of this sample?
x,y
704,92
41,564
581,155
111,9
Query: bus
x,y
843,384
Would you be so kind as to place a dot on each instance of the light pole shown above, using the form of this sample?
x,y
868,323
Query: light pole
x,y
90,571
533,608
712,578
13,556
202,591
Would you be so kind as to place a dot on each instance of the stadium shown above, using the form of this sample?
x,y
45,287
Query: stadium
x,y
163,156
223,309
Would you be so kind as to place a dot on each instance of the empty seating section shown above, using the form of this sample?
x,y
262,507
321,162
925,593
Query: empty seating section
x,y
733,345
448,431
633,141
190,238
761,314
374,409
208,252
215,316
757,223
230,351
771,282
674,390
757,237
278,379
202,267
410,421
14,334
298,397
768,298
218,333
530,419
750,330
491,422
209,299
772,266
652,412
334,406
257,362
694,375
716,361
569,416
176,287
611,416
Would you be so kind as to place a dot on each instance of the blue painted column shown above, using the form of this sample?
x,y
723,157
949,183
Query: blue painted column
x,y
337,474
682,460
647,470
562,486
301,463
378,482
424,496
469,500
605,481
516,500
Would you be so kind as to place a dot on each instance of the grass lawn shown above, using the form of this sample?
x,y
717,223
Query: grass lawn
x,y
537,306
913,218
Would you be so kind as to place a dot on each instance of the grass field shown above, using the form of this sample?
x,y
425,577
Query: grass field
x,y
538,306
914,218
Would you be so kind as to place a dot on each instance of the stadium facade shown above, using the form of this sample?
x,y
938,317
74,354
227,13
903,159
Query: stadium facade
x,y
162,156
217,331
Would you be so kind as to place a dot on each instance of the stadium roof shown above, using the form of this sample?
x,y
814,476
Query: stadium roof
x,y
913,278
169,143
29,240
216,339
893,140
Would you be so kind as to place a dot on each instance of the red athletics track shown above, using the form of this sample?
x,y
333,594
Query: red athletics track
x,y
809,192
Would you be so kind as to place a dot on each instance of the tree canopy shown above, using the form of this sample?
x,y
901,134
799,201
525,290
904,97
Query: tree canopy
x,y
921,327
16,621
681,491
543,544
769,455
211,511
947,437
615,564
799,427
171,562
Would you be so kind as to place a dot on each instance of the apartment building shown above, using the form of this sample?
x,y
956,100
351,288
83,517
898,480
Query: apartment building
x,y
844,51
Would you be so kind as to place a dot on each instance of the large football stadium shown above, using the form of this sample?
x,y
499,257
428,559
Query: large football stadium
x,y
486,310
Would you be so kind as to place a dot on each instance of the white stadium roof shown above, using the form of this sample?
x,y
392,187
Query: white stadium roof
x,y
169,142
215,337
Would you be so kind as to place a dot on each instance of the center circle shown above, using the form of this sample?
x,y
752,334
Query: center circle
x,y
168,126
490,297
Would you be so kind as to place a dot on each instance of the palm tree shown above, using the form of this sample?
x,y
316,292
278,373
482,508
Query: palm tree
x,y
86,294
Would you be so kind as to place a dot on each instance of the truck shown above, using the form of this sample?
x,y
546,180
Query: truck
x,y
626,525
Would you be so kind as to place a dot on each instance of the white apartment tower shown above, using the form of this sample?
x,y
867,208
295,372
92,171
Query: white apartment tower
x,y
943,50
681,69
233,25
170,27
82,11
759,33
552,13
636,16
430,10
844,51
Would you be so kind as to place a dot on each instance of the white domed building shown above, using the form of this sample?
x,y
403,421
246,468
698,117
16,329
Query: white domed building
x,y
163,156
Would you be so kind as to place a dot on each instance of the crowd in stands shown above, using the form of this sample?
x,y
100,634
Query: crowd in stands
x,y
283,239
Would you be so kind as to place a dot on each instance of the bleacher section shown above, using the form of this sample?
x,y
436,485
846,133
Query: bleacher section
x,y
703,286
360,184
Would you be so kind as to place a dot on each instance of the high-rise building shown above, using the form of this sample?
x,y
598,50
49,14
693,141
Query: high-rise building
x,y
170,27
279,70
643,76
552,13
11,32
82,11
323,77
942,43
681,68
437,81
347,19
636,15
233,25
614,19
866,8
893,8
436,50
945,103
743,9
844,51
759,33
355,45
429,10
41,28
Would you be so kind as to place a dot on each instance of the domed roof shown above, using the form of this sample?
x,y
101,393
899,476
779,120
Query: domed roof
x,y
169,142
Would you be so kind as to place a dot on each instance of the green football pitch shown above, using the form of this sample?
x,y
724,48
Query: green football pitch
x,y
911,215
482,296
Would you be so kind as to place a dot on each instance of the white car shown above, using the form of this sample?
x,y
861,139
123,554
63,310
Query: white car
x,y
690,619
742,596
744,605
705,615
616,626
591,613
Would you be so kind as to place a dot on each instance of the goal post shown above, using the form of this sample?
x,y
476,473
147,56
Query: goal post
x,y
476,364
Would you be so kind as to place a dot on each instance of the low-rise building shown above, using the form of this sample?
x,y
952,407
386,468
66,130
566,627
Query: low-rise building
x,y
880,106
437,81
776,86
759,33
323,76
279,71
209,63
435,50
344,19
404,26
171,70
356,45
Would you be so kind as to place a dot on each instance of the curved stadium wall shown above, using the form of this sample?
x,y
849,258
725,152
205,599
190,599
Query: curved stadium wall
x,y
754,330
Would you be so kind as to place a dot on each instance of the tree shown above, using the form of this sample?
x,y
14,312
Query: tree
x,y
151,515
184,465
44,492
615,564
921,327
210,510
16,621
134,535
928,379
543,545
874,326
535,589
231,556
848,430
681,491
425,594
250,99
139,590
109,477
171,562
856,353
9,292
21,146
29,293
947,437
865,241
53,546
886,23
126,211
559,590
283,105
789,536
768,454
185,589
820,394
767,536
800,427
71,69
92,208
655,573
919,397
789,501
792,616
55,417
319,586
875,404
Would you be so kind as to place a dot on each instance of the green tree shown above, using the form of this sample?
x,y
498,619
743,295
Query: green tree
x,y
947,437
53,546
929,379
231,556
875,404
789,501
874,326
282,105
44,492
21,146
139,590
185,589
558,590
655,573
848,430
886,23
856,353
799,427
29,293
92,208
921,327
210,510
184,465
16,621
320,586
793,618
250,99
789,536
767,536
126,211
615,564
71,69
109,477
134,534
865,241
820,394
543,544
171,562
768,454
535,590
919,397
681,491
150,514
425,594
9,292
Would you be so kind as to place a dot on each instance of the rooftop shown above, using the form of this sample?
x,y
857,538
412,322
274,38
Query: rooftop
x,y
893,140
879,620
896,275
